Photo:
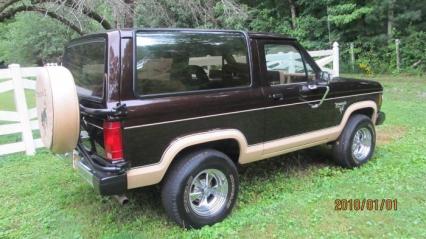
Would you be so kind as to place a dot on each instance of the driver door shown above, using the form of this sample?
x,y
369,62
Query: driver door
x,y
292,103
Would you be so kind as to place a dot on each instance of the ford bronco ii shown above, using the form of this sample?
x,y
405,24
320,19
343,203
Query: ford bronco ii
x,y
183,108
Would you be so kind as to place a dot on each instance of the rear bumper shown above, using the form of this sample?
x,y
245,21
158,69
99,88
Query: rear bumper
x,y
105,182
381,116
102,183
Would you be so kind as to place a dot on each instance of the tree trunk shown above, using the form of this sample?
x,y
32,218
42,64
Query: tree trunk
x,y
129,14
391,18
293,14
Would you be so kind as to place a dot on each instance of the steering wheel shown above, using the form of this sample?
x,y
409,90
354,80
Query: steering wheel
x,y
198,71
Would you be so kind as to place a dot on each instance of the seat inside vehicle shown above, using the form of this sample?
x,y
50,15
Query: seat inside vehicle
x,y
181,74
279,77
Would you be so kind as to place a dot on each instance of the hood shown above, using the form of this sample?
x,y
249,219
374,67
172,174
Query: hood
x,y
352,85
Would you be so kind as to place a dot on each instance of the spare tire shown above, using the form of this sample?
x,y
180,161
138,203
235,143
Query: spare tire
x,y
58,109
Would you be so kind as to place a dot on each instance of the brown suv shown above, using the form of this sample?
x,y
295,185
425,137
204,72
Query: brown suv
x,y
183,108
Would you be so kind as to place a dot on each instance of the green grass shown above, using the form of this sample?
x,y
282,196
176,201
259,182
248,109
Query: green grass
x,y
285,197
7,101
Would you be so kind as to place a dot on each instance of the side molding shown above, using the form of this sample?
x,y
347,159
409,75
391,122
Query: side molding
x,y
306,140
152,174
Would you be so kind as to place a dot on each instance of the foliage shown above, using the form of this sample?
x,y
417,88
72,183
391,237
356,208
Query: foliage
x,y
413,51
285,197
27,43
371,25
191,14
365,67
375,56
342,14
378,55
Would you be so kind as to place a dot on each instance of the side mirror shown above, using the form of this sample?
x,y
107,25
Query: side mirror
x,y
325,76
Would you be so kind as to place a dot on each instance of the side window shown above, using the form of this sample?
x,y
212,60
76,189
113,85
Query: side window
x,y
180,62
284,65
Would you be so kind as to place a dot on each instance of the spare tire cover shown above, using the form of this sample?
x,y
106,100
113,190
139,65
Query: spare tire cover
x,y
58,109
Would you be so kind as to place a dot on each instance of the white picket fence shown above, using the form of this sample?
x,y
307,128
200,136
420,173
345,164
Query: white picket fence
x,y
328,56
23,120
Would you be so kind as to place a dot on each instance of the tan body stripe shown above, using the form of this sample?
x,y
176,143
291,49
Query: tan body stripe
x,y
152,174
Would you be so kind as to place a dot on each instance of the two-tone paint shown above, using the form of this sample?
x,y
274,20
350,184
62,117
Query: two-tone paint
x,y
157,128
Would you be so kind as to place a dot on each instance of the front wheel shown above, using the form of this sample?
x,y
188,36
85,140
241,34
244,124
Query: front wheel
x,y
357,142
200,189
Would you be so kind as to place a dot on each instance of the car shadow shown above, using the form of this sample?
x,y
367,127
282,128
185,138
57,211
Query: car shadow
x,y
147,201
295,163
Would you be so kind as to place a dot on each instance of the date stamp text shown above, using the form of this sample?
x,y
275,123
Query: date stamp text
x,y
366,204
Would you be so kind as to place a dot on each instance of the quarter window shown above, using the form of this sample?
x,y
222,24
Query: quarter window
x,y
181,62
284,65
86,61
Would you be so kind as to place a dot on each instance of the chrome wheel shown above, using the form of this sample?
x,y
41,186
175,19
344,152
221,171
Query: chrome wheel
x,y
361,144
208,192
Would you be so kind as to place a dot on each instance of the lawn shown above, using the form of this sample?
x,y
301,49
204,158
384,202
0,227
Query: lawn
x,y
286,197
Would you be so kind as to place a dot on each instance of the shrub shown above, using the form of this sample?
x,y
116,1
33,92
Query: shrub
x,y
413,52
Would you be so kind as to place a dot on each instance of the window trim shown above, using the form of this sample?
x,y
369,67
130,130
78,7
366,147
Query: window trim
x,y
93,39
296,46
245,38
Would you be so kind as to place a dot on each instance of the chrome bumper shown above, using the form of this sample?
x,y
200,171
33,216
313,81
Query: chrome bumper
x,y
85,172
104,183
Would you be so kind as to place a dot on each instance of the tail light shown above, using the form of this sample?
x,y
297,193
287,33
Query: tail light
x,y
112,140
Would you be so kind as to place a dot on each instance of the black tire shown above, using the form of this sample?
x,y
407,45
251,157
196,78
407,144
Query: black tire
x,y
179,182
342,148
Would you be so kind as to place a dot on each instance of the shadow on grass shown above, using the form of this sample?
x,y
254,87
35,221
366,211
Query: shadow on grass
x,y
297,163
147,198
146,202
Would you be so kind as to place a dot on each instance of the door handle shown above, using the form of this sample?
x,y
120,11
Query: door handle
x,y
317,105
305,89
276,96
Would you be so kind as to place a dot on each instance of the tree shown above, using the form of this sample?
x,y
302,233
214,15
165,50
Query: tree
x,y
391,18
293,12
371,24
76,14
197,13
32,39
24,24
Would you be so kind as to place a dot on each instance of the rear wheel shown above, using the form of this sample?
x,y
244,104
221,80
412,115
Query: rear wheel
x,y
200,189
357,142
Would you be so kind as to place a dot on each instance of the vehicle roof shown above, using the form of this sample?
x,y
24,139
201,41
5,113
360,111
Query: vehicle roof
x,y
269,35
249,34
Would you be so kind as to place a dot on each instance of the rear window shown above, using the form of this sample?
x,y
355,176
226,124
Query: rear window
x,y
86,61
180,62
